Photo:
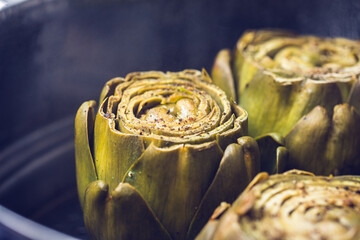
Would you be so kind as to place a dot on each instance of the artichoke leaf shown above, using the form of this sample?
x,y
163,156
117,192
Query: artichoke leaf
x,y
208,230
115,152
239,128
274,102
239,165
109,88
116,215
272,151
186,173
85,168
251,155
344,143
282,157
354,97
222,74
323,145
228,229
243,71
327,95
205,76
277,102
307,140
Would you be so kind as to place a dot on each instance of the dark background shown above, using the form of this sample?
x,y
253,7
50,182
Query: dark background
x,y
56,54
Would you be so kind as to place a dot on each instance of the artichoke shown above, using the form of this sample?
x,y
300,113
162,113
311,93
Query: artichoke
x,y
302,94
163,150
293,205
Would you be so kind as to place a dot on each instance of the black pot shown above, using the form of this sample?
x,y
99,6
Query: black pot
x,y
56,54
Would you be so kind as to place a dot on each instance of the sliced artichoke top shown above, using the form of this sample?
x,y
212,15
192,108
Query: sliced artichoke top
x,y
291,56
182,107
169,141
294,205
280,76
297,205
163,110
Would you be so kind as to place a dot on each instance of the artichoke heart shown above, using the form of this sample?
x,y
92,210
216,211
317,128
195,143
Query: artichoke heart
x,y
163,150
279,78
293,205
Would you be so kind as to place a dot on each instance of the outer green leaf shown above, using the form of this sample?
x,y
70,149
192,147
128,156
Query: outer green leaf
x,y
239,165
354,97
222,74
115,152
325,146
307,140
117,216
84,127
173,181
282,157
273,154
274,107
343,145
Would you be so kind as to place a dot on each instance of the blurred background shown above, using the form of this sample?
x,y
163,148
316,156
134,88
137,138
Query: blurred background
x,y
56,54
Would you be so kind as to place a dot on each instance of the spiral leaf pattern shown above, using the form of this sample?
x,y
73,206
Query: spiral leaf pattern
x,y
291,56
173,108
295,205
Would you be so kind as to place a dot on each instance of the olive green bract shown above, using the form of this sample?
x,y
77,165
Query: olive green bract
x,y
162,152
294,205
279,78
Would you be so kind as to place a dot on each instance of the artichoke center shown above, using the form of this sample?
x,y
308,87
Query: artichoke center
x,y
306,55
183,109
172,109
309,58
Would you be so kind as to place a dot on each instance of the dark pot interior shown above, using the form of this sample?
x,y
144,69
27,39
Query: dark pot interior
x,y
56,54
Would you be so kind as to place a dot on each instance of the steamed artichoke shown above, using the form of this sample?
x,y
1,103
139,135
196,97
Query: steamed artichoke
x,y
302,94
294,205
163,150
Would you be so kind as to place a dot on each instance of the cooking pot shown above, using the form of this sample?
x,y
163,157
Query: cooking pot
x,y
56,54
